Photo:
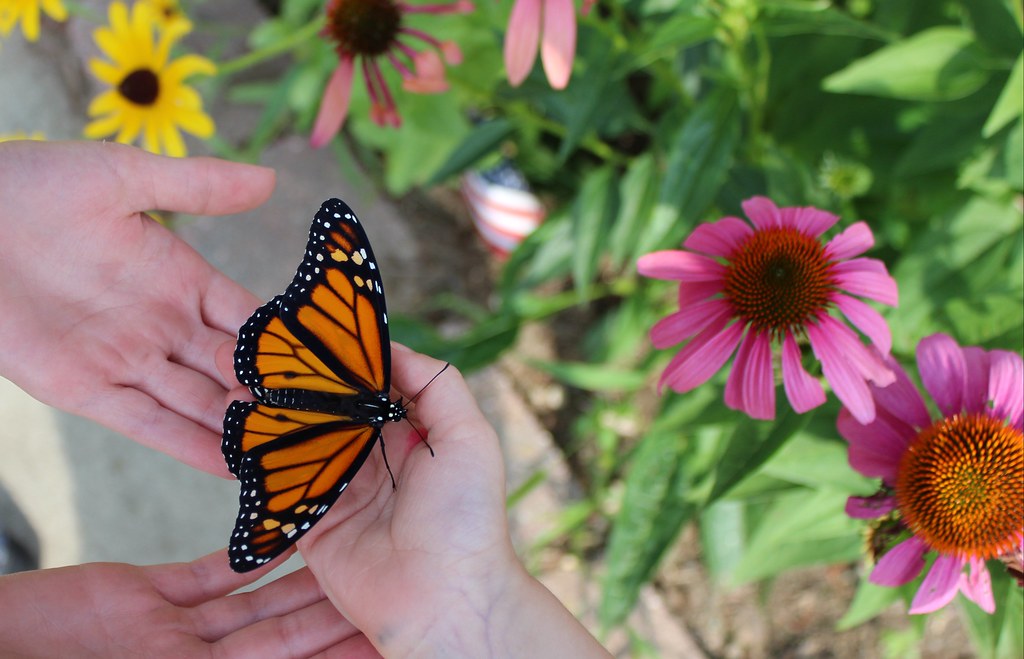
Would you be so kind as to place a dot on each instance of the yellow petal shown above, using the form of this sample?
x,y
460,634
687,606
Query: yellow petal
x,y
175,146
55,10
130,126
108,101
102,127
185,98
118,15
151,136
30,22
196,123
106,72
187,66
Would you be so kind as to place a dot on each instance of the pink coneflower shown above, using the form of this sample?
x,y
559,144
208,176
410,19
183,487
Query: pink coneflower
x,y
763,288
955,484
556,19
370,30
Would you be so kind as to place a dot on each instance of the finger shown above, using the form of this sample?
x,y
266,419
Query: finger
x,y
199,353
224,358
138,416
208,577
354,647
184,391
299,634
446,408
226,305
199,186
224,615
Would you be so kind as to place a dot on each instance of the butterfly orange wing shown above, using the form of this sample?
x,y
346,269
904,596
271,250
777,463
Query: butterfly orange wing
x,y
317,359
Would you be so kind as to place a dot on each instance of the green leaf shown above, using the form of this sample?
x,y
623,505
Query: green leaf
x,y
747,449
699,158
868,602
638,192
999,634
479,346
480,141
721,537
654,509
1011,101
937,64
801,527
682,30
815,462
785,18
593,377
588,91
595,206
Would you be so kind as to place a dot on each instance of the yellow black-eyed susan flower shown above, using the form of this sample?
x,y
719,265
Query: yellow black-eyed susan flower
x,y
148,97
27,13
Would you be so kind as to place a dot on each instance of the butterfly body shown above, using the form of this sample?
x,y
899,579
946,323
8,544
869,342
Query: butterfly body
x,y
317,360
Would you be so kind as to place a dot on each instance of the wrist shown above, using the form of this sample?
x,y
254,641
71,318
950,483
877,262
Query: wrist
x,y
503,613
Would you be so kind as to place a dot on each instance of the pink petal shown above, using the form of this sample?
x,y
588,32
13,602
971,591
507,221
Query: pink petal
x,y
429,78
759,380
901,398
867,278
846,364
1006,386
874,449
751,384
803,391
334,105
900,564
733,385
763,213
869,507
940,586
558,45
702,357
721,238
452,53
694,292
976,389
867,320
680,266
853,241
688,321
809,220
868,362
977,586
943,372
521,40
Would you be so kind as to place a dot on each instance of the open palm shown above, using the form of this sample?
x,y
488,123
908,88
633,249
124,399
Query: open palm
x,y
106,313
179,609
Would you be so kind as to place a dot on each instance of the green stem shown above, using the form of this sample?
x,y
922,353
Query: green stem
x,y
594,145
290,42
559,302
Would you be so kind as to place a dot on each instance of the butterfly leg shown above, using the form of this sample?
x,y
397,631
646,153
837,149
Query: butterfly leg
x,y
386,465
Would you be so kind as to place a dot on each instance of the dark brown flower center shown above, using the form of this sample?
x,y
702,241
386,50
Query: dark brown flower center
x,y
778,280
364,27
961,486
141,87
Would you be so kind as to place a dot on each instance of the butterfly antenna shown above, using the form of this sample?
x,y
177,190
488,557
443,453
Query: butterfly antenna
x,y
424,388
413,399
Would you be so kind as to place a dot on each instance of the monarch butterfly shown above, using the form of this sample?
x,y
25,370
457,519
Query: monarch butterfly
x,y
318,361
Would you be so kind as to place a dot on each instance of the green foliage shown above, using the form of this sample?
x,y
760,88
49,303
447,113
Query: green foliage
x,y
908,115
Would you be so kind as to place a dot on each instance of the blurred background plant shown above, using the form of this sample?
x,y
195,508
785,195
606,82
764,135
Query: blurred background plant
x,y
908,115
